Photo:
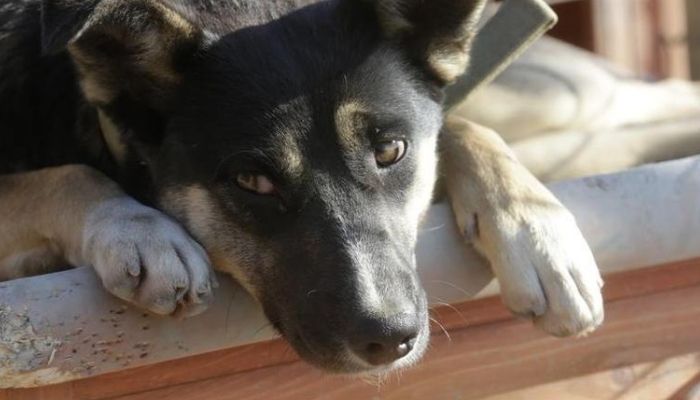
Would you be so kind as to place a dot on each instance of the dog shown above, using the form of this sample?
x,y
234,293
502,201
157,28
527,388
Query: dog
x,y
586,106
291,144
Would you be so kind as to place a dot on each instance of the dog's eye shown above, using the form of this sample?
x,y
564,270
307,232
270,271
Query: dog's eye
x,y
256,183
390,152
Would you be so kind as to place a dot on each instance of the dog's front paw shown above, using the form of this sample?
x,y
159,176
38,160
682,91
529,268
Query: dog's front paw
x,y
547,271
147,259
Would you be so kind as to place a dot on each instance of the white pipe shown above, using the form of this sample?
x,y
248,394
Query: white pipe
x,y
63,326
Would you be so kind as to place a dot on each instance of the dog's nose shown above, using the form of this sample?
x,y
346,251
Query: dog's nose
x,y
381,341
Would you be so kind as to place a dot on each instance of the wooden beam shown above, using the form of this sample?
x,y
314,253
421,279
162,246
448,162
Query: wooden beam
x,y
669,379
575,23
487,313
484,360
690,390
693,10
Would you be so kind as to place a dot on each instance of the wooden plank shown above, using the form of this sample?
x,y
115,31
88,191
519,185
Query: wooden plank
x,y
58,392
485,360
618,286
693,13
672,39
690,391
575,23
672,378
483,312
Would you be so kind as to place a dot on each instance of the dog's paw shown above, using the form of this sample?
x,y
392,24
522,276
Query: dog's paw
x,y
547,271
147,259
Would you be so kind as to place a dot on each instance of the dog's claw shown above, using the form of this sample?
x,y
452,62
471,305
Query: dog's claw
x,y
547,272
147,259
549,260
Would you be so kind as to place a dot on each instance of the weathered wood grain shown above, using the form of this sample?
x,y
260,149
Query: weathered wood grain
x,y
486,359
499,336
671,379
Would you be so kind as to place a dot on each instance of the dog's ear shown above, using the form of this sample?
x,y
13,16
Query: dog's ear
x,y
130,48
436,33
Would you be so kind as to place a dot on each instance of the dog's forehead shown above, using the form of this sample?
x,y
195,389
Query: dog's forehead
x,y
335,122
292,88
269,107
288,127
309,44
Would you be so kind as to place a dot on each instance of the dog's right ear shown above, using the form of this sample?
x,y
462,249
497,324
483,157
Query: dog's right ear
x,y
437,34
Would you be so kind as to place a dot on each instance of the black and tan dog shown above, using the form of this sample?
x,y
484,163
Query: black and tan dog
x,y
291,144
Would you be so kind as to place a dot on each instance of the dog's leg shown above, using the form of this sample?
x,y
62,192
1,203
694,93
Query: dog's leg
x,y
76,214
543,264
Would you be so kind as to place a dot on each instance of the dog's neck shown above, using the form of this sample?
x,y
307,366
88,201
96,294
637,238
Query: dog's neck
x,y
112,136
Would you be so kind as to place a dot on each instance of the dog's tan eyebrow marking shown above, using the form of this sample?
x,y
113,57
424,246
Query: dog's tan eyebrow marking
x,y
346,122
284,148
286,153
291,157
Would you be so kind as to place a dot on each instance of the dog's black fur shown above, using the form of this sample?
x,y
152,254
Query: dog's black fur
x,y
207,90
45,121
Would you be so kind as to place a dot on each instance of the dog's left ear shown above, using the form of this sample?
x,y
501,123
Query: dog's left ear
x,y
437,34
121,47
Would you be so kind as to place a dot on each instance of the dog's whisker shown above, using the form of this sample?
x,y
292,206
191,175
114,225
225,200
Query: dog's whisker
x,y
456,310
398,375
442,303
449,338
265,325
453,286
433,229
376,380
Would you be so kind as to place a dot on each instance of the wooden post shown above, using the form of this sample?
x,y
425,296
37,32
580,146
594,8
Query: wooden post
x,y
693,9
575,24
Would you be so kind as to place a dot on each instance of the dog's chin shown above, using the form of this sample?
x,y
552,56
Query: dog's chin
x,y
345,362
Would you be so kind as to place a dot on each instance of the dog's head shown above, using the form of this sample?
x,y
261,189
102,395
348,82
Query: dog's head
x,y
301,152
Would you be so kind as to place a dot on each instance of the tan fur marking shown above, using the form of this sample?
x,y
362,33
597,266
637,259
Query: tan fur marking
x,y
288,154
158,41
346,117
95,92
449,62
32,261
46,209
112,137
195,208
